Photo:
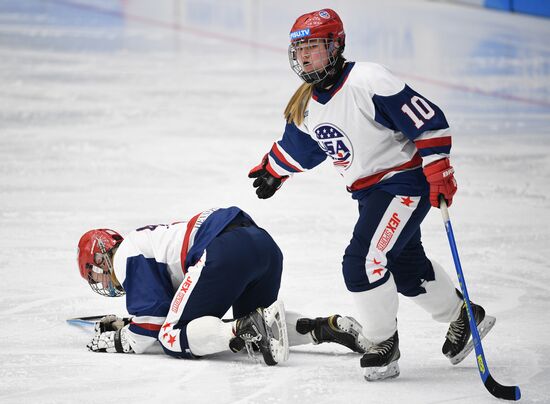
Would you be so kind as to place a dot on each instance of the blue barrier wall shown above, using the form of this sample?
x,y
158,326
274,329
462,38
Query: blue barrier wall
x,y
499,4
534,7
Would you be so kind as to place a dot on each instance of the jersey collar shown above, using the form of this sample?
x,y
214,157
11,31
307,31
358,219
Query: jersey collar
x,y
323,96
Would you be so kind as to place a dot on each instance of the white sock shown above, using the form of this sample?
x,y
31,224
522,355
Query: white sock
x,y
440,299
208,335
378,311
295,338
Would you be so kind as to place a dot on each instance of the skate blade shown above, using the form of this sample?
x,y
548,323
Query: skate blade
x,y
390,371
352,326
274,317
483,328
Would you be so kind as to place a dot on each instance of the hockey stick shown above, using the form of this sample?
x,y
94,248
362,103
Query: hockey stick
x,y
495,388
89,320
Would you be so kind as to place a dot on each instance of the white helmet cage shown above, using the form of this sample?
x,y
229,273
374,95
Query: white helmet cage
x,y
320,74
113,287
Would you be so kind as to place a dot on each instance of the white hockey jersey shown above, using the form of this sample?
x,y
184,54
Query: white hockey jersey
x,y
376,130
151,263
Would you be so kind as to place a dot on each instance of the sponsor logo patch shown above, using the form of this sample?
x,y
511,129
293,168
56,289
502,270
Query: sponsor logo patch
x,y
299,34
388,232
480,364
324,14
181,294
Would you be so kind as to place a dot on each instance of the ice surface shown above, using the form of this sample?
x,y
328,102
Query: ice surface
x,y
125,113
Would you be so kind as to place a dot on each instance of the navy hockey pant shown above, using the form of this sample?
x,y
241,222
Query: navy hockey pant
x,y
386,239
243,269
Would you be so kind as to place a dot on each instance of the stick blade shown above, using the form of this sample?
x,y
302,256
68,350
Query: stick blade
x,y
79,322
86,320
512,393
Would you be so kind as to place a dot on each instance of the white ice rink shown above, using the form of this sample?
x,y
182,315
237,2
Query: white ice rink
x,y
125,113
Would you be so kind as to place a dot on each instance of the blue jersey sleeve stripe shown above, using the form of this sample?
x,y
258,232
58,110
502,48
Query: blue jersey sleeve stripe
x,y
434,150
282,164
300,147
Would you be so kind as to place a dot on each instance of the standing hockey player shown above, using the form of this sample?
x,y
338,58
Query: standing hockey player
x,y
391,145
180,279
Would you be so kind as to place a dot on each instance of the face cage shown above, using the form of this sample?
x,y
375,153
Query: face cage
x,y
318,75
113,289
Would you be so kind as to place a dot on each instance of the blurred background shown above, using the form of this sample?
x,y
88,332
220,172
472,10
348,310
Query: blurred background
x,y
122,113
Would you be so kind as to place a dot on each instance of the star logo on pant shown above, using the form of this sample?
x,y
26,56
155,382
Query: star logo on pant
x,y
172,340
407,201
378,271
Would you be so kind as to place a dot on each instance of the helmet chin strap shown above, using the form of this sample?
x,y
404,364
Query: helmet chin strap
x,y
333,75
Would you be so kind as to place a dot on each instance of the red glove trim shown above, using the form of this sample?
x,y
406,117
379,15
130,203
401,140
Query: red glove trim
x,y
438,166
259,167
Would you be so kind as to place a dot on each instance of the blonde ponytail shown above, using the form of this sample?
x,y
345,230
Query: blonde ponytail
x,y
294,111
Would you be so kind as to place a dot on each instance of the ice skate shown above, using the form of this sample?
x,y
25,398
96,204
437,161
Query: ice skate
x,y
263,330
341,330
381,360
458,342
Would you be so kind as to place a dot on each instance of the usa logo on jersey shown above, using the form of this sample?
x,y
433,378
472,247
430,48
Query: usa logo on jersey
x,y
335,144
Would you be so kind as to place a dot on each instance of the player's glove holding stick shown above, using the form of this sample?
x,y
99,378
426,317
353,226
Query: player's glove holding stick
x,y
440,176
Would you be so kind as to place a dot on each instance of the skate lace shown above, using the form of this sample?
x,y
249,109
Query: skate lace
x,y
456,331
382,348
249,341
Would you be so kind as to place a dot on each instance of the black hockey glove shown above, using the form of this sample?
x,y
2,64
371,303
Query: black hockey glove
x,y
266,182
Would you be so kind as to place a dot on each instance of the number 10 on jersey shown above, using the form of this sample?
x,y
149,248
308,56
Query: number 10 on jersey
x,y
422,107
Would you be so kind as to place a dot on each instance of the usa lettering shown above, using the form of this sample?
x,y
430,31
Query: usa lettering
x,y
337,148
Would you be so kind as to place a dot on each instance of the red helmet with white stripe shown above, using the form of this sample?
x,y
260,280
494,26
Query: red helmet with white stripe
x,y
94,256
317,39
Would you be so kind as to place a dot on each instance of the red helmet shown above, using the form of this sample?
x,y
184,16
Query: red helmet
x,y
94,254
318,27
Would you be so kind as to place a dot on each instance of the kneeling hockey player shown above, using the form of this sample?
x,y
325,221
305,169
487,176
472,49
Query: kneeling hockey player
x,y
180,279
